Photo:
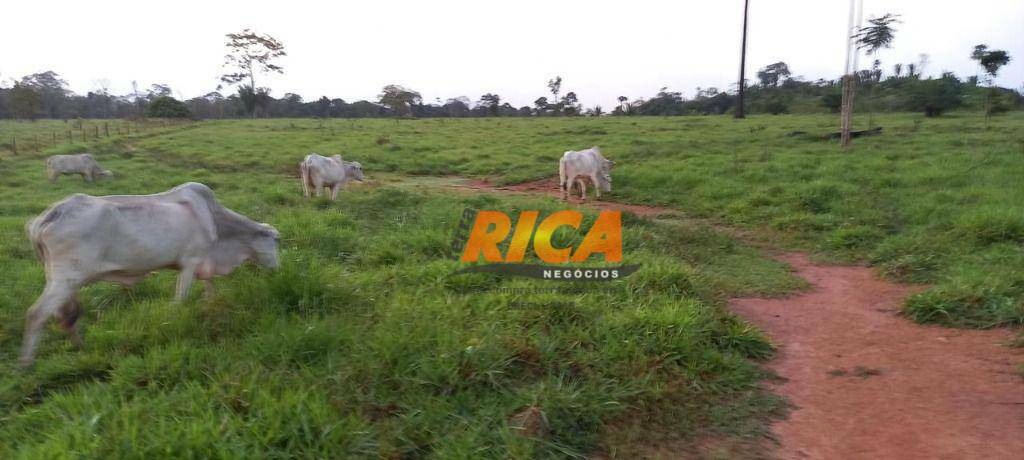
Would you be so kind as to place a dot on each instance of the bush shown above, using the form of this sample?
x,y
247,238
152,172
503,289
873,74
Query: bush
x,y
934,96
167,107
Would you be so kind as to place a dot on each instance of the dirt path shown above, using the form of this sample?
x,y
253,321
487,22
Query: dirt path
x,y
865,382
870,384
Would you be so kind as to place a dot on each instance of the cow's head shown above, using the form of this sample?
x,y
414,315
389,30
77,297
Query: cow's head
x,y
354,169
264,246
106,173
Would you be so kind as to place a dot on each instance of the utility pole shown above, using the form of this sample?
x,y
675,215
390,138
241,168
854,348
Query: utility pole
x,y
743,62
846,118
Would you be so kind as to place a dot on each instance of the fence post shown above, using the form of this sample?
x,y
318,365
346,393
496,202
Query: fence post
x,y
106,129
70,141
54,137
96,129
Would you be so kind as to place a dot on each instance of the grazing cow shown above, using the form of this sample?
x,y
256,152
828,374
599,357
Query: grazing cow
x,y
122,238
318,171
577,165
83,164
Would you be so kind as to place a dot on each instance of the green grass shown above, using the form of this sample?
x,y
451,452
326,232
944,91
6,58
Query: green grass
x,y
931,200
361,345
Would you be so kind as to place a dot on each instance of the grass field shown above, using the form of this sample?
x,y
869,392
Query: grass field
x,y
362,345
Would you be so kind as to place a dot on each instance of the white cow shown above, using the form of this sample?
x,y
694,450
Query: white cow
x,y
318,171
589,163
83,164
122,238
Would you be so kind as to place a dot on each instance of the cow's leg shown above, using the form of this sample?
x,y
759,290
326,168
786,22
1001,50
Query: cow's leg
x,y
208,289
87,176
52,175
55,295
68,318
319,185
185,278
334,191
583,189
597,186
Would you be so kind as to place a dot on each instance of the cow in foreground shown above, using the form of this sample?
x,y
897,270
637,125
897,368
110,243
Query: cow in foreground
x,y
318,171
83,164
122,238
575,166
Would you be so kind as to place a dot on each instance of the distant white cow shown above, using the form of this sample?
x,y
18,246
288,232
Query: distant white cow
x,y
318,171
577,165
83,164
122,238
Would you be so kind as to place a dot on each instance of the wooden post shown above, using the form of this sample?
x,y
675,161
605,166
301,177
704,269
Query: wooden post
x,y
54,137
106,129
96,129
70,140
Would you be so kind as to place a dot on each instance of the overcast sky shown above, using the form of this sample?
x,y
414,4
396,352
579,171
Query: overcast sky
x,y
448,48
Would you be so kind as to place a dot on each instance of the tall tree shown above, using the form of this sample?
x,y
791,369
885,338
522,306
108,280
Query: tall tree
x,y
53,91
25,102
991,61
250,53
491,102
872,38
743,63
399,99
555,86
772,74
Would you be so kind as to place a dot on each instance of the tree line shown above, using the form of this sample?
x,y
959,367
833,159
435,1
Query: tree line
x,y
776,91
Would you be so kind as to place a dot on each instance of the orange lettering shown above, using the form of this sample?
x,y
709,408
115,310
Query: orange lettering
x,y
604,237
542,239
485,239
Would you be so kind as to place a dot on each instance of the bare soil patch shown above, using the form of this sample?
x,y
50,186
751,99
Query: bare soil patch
x,y
868,383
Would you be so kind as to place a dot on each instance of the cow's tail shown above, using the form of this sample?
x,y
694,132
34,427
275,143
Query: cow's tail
x,y
304,172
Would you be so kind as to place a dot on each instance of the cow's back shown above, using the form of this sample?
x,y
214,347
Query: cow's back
x,y
327,169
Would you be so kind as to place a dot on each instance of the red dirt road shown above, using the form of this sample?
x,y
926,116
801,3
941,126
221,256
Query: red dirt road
x,y
868,384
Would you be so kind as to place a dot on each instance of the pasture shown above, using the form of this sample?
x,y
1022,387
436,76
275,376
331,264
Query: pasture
x,y
362,345
931,200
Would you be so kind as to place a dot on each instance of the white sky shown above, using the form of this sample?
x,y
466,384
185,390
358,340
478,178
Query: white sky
x,y
448,48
